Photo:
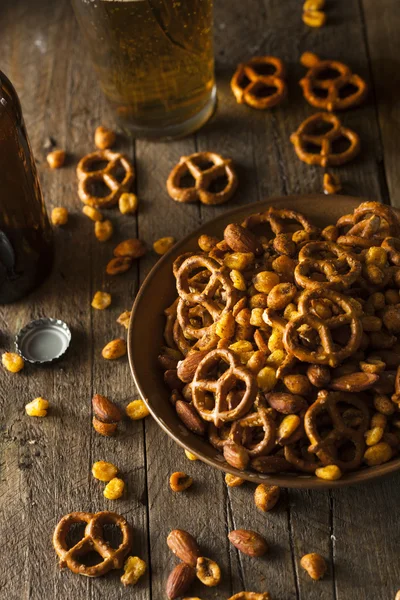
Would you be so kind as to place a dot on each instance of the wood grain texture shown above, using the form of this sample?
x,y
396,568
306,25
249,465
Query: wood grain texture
x,y
46,464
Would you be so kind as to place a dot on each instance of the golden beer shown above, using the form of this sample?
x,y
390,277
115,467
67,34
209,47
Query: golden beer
x,y
155,61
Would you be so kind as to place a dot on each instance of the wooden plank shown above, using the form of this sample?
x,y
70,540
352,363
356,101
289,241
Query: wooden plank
x,y
382,22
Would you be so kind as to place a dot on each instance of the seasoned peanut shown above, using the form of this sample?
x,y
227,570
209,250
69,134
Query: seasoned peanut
x,y
233,481
56,159
266,496
103,230
104,471
104,138
384,405
134,569
179,481
315,565
114,349
329,473
208,571
93,213
59,216
12,362
128,203
379,420
137,410
164,244
101,300
114,489
37,408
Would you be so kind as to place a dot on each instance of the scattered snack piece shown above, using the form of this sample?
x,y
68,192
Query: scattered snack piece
x,y
133,248
101,300
92,213
249,542
104,471
134,569
190,456
162,245
114,349
37,408
314,18
119,265
105,410
329,473
128,203
12,361
113,558
207,242
343,77
308,132
179,481
137,410
59,216
179,581
205,168
378,454
250,596
106,429
208,571
266,496
88,176
104,138
233,481
250,84
315,565
103,230
124,319
56,159
114,489
331,184
184,546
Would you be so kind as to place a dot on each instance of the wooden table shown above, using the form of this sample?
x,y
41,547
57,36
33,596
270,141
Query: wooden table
x,y
46,463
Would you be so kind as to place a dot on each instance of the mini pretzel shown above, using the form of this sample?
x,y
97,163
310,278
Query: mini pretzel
x,y
220,387
87,177
297,454
328,353
370,224
184,310
332,268
307,134
248,84
392,246
93,540
276,219
221,167
333,86
326,447
263,420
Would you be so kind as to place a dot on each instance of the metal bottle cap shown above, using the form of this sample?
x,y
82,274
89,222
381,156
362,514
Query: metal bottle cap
x,y
43,340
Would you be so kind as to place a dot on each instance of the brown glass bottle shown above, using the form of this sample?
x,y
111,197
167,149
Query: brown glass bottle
x,y
25,232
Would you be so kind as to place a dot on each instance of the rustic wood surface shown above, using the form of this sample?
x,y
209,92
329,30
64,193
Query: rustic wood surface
x,y
46,464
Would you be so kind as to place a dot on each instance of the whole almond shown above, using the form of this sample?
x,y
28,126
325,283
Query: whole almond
x,y
249,542
286,403
166,361
184,546
319,375
172,380
187,367
240,239
179,580
354,382
236,455
133,248
105,410
190,417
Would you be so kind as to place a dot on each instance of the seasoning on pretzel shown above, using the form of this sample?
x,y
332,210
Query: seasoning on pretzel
x,y
342,90
260,82
103,168
205,168
316,148
283,344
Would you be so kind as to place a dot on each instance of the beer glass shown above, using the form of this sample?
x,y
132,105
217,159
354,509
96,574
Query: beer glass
x,y
154,60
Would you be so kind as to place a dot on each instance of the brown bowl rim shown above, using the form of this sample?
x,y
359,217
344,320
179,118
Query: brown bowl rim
x,y
281,479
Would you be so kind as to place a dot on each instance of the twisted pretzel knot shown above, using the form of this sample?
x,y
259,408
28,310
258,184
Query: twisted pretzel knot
x,y
307,134
328,353
92,540
192,164
392,246
332,268
326,447
88,176
277,220
263,420
248,83
220,387
298,455
332,86
369,225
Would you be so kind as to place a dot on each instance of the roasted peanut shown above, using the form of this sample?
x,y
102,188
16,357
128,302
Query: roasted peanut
x,y
128,203
137,410
298,384
101,300
134,569
233,481
104,471
384,405
114,349
37,408
104,138
266,496
114,489
56,159
208,571
162,245
103,230
12,362
179,481
315,565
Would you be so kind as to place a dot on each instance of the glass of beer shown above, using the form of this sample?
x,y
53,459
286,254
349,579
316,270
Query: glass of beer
x,y
154,60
